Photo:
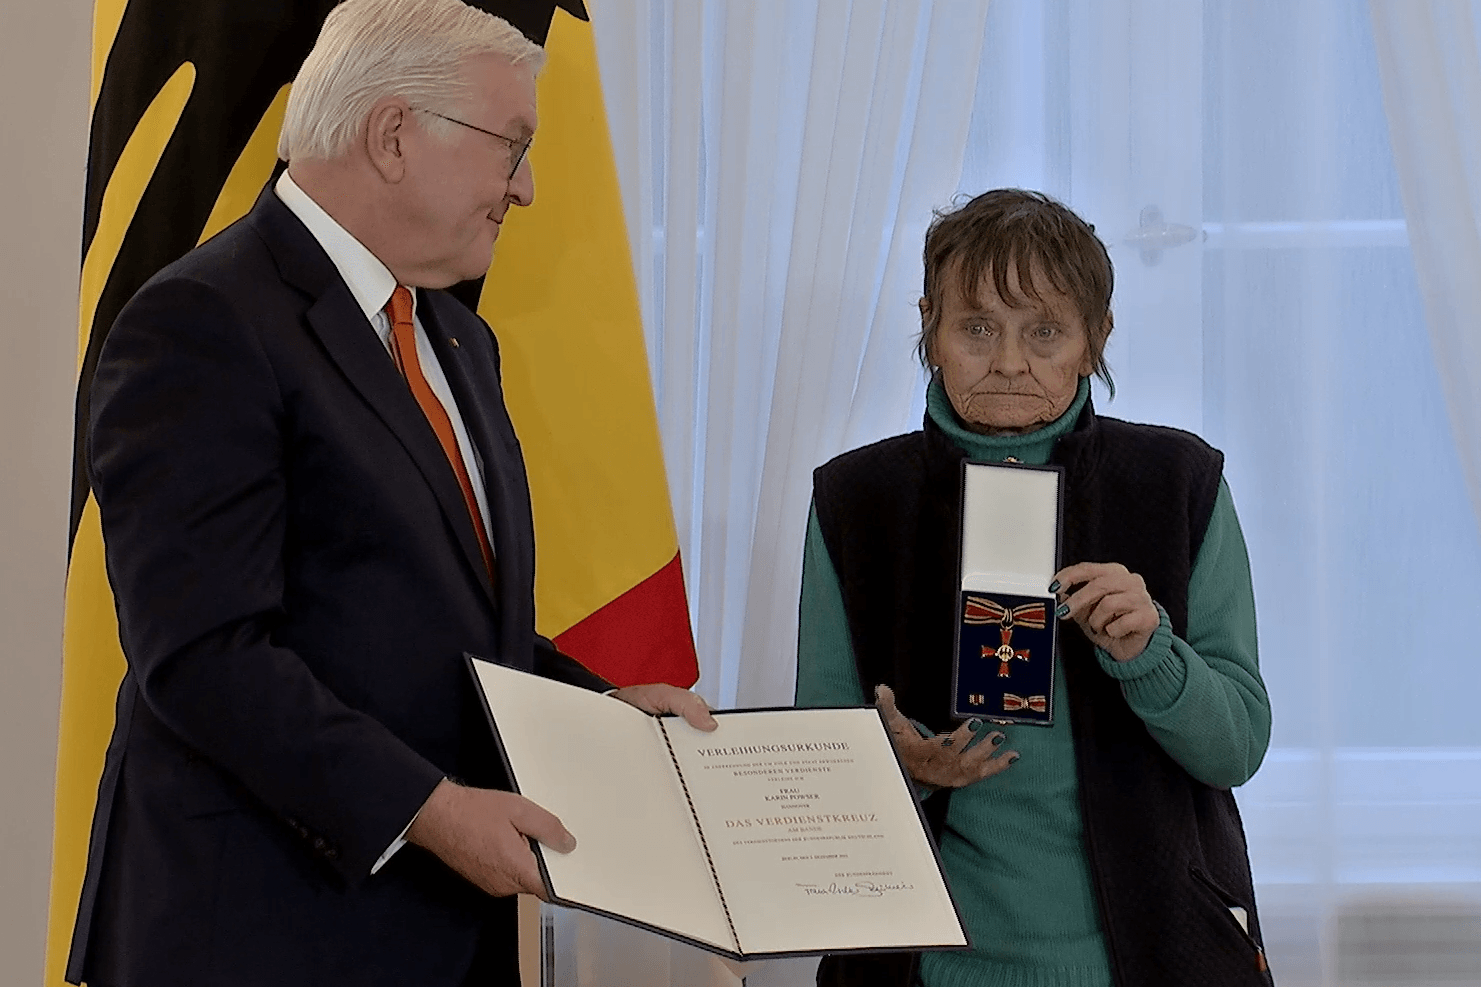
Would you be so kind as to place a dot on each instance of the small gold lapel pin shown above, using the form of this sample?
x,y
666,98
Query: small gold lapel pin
x,y
454,340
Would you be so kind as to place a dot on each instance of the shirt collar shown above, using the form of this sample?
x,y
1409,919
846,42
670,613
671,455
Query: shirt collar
x,y
369,281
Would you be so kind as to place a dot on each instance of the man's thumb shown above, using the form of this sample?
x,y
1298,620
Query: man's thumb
x,y
544,826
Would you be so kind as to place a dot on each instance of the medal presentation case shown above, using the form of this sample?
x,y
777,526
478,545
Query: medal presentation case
x,y
1006,631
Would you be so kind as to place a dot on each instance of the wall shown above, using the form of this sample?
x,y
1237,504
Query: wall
x,y
44,68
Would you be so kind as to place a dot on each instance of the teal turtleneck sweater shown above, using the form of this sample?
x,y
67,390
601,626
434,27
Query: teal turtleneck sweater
x,y
1013,846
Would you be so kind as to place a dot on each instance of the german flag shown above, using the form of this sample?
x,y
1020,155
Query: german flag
x,y
187,100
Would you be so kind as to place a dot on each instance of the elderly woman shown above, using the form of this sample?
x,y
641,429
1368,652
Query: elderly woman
x,y
1106,848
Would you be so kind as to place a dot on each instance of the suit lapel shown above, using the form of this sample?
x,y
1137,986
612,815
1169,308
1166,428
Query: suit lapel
x,y
351,342
468,365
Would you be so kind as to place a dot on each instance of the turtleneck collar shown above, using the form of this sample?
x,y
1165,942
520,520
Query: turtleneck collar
x,y
1033,448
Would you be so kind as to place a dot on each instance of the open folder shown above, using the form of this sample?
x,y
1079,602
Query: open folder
x,y
783,832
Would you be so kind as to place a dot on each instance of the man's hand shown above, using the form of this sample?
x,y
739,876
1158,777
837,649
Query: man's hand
x,y
1111,606
943,761
660,698
482,834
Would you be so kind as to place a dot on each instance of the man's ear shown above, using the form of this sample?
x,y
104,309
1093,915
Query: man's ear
x,y
385,137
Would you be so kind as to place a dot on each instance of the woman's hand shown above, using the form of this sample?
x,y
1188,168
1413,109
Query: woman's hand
x,y
943,761
1111,605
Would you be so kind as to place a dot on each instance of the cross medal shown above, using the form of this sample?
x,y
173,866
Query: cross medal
x,y
981,610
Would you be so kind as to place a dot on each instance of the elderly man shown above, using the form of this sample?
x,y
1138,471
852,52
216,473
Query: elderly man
x,y
314,505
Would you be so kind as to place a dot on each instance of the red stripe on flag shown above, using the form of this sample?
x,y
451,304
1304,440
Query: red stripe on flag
x,y
642,636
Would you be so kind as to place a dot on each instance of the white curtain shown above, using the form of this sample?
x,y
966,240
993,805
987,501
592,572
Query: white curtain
x,y
779,162
1430,60
1234,154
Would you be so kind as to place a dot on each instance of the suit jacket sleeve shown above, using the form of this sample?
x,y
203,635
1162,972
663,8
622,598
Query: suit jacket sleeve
x,y
553,663
186,461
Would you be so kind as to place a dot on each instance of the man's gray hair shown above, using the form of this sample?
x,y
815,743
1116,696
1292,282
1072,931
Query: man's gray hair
x,y
371,49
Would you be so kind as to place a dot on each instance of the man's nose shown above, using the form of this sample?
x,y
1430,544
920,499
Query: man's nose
x,y
522,185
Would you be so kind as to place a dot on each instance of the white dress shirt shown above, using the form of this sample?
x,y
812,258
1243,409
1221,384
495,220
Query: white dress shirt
x,y
371,283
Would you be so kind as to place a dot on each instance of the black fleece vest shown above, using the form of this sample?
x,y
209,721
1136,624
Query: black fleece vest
x,y
1167,852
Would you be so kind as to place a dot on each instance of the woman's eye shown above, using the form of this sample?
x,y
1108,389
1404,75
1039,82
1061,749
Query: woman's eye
x,y
1046,332
977,329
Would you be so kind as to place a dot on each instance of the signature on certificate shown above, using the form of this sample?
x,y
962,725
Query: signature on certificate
x,y
858,889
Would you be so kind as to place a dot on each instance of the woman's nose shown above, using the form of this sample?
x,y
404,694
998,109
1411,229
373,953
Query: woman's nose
x,y
1009,356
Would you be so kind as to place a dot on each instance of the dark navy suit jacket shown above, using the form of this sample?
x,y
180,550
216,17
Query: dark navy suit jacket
x,y
297,580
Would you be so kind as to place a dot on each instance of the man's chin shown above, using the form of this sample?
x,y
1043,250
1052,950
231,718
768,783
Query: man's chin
x,y
477,269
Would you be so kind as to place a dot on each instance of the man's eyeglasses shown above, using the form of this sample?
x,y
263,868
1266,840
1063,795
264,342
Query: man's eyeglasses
x,y
517,148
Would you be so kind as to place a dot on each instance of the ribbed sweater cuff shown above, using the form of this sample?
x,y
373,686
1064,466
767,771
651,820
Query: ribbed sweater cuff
x,y
1153,680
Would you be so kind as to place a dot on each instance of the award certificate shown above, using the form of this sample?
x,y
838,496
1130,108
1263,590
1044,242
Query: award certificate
x,y
783,832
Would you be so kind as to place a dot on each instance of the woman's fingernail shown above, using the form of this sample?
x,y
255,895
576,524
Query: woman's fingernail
x,y
1054,586
1012,758
998,739
1063,611
974,724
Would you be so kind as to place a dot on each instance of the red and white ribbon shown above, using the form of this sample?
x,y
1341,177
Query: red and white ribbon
x,y
981,610
1035,704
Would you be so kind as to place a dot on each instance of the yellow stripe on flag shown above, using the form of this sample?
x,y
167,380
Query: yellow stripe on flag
x,y
563,300
125,188
92,667
253,168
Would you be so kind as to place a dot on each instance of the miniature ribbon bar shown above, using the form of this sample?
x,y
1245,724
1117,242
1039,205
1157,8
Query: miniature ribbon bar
x,y
1036,704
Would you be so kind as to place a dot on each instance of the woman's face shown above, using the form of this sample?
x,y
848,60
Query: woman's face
x,y
1009,369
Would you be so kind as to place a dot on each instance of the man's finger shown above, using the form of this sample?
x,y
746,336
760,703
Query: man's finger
x,y
696,712
691,706
534,821
658,698
526,874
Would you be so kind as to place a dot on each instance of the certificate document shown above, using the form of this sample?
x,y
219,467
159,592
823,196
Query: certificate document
x,y
783,832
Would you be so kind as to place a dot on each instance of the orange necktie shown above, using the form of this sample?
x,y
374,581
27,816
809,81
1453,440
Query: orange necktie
x,y
404,350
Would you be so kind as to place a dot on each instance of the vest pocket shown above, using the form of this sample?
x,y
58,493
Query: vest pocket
x,y
1233,909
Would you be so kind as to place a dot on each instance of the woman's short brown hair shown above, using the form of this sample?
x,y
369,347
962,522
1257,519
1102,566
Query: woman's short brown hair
x,y
1008,229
